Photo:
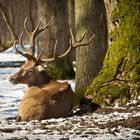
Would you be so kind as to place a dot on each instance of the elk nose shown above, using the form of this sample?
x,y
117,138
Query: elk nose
x,y
11,79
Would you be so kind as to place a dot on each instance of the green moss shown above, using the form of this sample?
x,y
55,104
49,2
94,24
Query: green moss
x,y
135,74
78,96
108,94
57,70
122,62
6,45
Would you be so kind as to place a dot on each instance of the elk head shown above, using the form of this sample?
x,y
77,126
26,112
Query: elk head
x,y
32,72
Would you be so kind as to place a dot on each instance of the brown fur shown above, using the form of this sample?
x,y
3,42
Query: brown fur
x,y
45,98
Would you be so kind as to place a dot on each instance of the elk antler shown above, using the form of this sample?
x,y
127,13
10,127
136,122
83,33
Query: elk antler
x,y
28,56
73,44
33,34
21,44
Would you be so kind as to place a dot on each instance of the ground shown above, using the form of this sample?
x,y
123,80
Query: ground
x,y
104,123
82,124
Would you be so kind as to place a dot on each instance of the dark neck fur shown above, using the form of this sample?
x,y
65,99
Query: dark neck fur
x,y
41,80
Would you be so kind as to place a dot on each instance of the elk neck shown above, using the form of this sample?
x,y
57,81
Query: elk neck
x,y
41,79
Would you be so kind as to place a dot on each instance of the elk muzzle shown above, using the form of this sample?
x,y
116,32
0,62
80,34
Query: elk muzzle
x,y
12,79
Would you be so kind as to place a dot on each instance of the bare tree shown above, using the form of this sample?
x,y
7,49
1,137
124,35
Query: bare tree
x,y
7,44
71,16
90,15
60,32
16,11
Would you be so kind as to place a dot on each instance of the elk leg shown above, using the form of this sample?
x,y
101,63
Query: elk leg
x,y
18,119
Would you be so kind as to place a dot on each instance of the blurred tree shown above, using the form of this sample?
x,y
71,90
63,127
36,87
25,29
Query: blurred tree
x,y
91,16
71,15
16,13
60,32
18,10
8,43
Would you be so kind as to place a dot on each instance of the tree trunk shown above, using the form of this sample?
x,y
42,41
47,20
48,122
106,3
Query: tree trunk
x,y
119,80
46,39
71,15
60,32
17,11
91,16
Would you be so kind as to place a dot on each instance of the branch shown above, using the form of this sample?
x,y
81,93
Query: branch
x,y
7,44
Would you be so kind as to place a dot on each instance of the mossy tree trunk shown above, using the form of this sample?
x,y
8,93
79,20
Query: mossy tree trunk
x,y
119,79
91,16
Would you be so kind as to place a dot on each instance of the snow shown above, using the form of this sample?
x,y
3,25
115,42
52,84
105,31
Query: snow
x,y
76,127
9,55
10,95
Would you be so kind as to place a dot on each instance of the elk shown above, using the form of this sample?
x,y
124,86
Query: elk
x,y
45,98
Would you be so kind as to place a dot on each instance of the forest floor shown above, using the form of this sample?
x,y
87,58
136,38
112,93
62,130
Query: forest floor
x,y
103,124
83,124
132,121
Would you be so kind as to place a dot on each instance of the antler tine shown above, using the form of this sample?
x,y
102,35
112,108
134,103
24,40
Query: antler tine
x,y
40,54
51,22
18,51
55,50
76,43
37,27
29,57
54,53
33,34
37,31
21,43
72,36
72,44
80,40
72,40
26,27
84,44
68,50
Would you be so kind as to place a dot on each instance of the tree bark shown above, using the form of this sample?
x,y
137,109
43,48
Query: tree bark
x,y
91,16
17,11
71,15
46,39
119,80
60,32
